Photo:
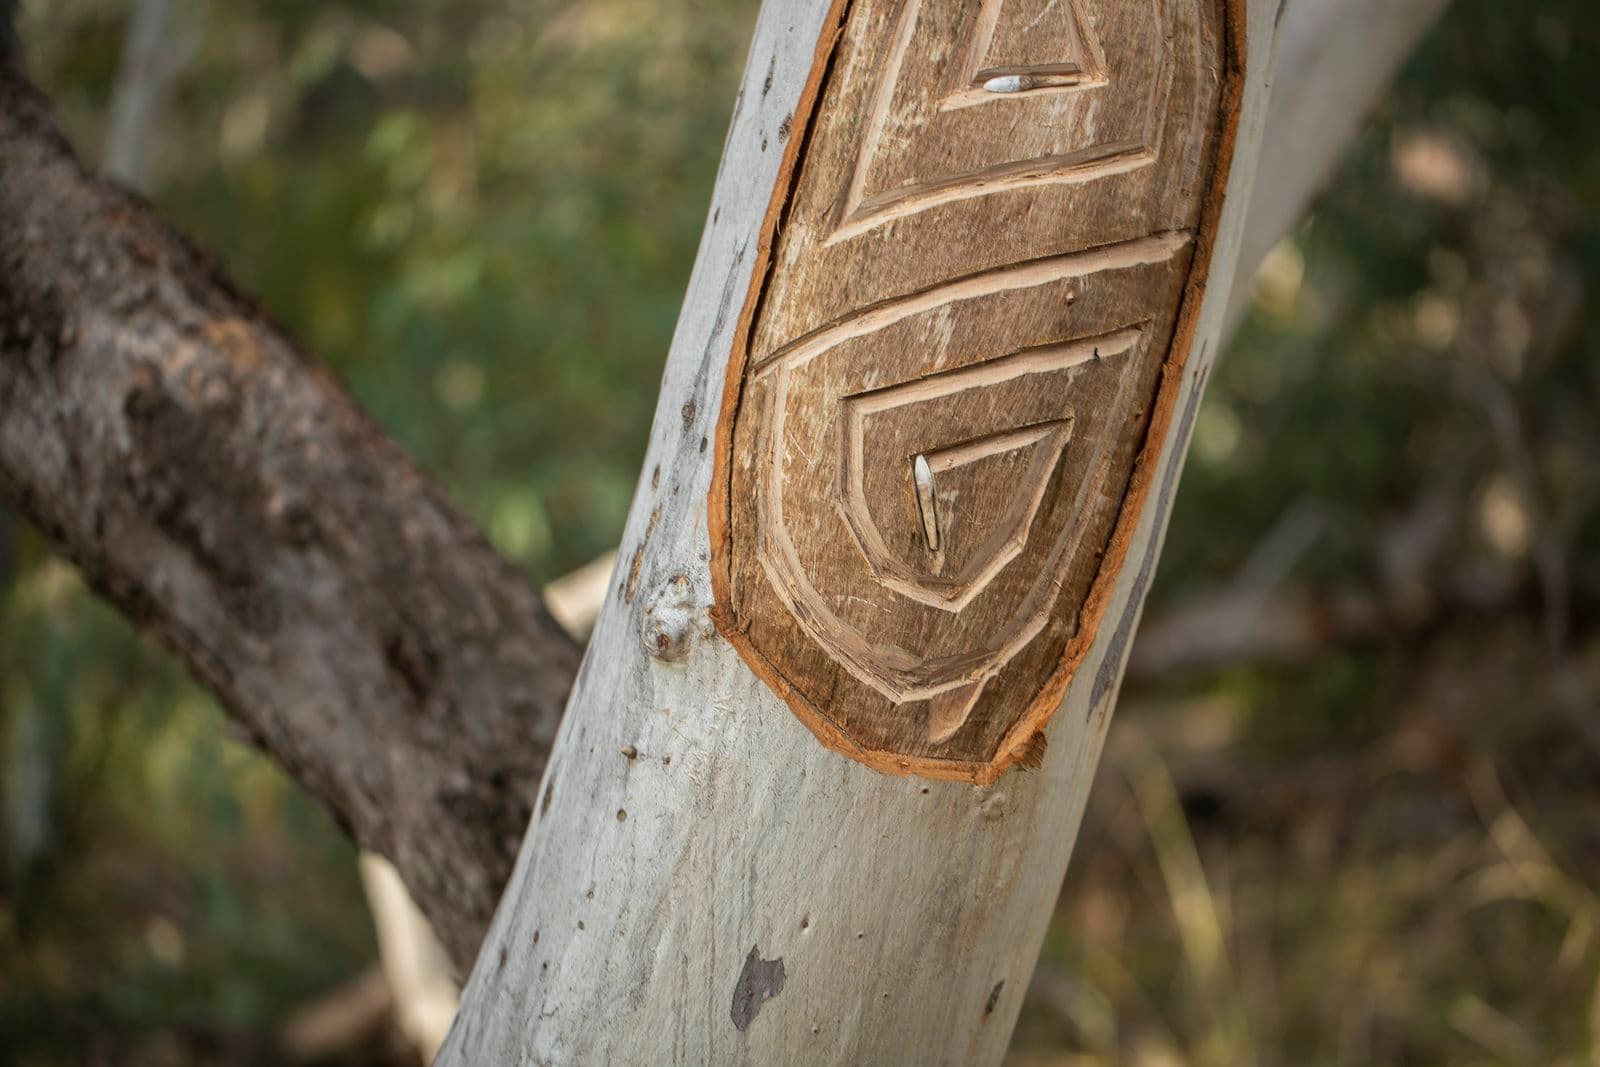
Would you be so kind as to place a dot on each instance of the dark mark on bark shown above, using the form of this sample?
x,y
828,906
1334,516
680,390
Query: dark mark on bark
x,y
730,286
994,998
627,589
1105,679
549,793
759,982
688,412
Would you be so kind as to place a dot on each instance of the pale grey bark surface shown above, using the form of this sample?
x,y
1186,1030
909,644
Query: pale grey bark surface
x,y
657,894
906,921
703,882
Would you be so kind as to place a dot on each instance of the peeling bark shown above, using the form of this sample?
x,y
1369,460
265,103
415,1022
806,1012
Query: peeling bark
x,y
223,489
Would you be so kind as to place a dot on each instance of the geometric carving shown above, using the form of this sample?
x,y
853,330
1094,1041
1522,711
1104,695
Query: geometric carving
x,y
977,286
1015,62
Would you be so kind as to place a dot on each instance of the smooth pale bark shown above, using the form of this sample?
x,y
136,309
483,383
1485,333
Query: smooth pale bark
x,y
703,881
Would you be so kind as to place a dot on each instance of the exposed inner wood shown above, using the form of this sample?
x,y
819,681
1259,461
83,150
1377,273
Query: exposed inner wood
x,y
948,375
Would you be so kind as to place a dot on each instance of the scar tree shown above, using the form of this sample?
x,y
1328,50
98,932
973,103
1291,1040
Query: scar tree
x,y
958,363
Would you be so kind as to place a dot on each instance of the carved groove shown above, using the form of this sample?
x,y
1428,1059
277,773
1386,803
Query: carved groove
x,y
955,594
1083,70
1154,249
942,397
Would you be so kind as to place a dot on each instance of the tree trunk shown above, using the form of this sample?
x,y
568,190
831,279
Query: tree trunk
x,y
705,880
225,492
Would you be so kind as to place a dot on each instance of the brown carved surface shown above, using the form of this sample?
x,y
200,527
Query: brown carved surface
x,y
977,292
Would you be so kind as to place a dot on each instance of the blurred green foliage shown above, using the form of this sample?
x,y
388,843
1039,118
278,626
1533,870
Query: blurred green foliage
x,y
1384,849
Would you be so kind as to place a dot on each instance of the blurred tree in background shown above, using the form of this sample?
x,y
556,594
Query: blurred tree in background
x,y
1354,820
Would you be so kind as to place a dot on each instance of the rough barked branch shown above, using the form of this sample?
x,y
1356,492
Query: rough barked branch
x,y
223,489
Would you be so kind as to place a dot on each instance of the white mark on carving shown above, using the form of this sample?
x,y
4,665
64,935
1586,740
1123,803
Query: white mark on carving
x,y
1021,83
927,502
1081,66
889,667
955,594
1008,83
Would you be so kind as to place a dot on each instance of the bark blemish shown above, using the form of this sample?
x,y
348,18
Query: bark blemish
x,y
759,982
1032,757
994,998
671,618
632,584
1109,672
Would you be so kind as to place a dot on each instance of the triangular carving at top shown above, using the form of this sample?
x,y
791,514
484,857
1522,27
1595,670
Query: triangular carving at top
x,y
1035,92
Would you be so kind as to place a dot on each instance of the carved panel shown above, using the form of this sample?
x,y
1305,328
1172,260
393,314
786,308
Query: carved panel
x,y
979,292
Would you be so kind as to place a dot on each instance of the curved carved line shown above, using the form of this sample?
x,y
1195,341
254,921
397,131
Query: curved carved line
x,y
892,671
1138,253
889,669
1008,541
961,591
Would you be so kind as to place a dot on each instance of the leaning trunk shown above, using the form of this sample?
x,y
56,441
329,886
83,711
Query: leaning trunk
x,y
761,838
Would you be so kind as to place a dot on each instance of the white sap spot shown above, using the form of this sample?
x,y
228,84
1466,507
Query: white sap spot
x,y
1008,83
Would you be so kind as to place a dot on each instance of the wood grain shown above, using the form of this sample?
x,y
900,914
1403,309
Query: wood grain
x,y
984,265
